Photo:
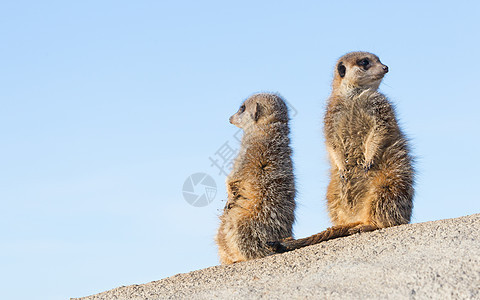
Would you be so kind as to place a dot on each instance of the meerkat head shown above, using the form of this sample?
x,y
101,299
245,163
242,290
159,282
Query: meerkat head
x,y
358,70
260,109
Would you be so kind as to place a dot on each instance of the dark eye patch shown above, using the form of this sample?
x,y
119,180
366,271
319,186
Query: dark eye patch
x,y
241,109
364,63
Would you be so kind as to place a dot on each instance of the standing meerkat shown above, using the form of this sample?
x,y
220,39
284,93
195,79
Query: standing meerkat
x,y
260,187
371,177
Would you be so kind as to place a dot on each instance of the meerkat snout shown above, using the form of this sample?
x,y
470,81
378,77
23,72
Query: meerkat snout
x,y
246,114
260,109
385,69
236,119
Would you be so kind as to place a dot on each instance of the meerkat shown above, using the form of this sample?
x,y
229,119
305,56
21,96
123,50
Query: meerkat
x,y
371,176
260,186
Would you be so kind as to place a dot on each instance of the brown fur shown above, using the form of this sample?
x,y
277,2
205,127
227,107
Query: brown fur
x,y
260,187
371,177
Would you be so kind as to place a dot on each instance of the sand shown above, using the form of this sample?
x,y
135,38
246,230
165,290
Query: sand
x,y
432,260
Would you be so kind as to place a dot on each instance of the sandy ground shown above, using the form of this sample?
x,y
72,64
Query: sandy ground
x,y
433,260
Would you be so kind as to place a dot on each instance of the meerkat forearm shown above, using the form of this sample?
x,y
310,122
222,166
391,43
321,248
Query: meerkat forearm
x,y
373,144
336,158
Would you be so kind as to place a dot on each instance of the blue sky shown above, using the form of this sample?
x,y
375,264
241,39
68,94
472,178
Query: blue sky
x,y
107,107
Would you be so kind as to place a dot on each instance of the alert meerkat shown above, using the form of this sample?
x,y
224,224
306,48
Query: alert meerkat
x,y
371,177
260,187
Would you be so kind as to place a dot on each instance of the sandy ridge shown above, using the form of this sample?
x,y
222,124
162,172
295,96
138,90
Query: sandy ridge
x,y
432,260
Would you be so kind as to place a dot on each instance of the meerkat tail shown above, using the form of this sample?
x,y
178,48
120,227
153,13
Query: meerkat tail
x,y
334,232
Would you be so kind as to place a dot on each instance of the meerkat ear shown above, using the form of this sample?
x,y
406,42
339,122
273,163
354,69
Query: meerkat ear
x,y
341,69
256,114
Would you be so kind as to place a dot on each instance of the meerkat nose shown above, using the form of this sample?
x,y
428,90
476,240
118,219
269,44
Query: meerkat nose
x,y
385,68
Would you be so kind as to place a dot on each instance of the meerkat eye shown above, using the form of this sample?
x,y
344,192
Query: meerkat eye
x,y
364,62
241,109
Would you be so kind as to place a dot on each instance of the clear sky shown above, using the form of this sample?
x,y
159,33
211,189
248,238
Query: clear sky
x,y
107,107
